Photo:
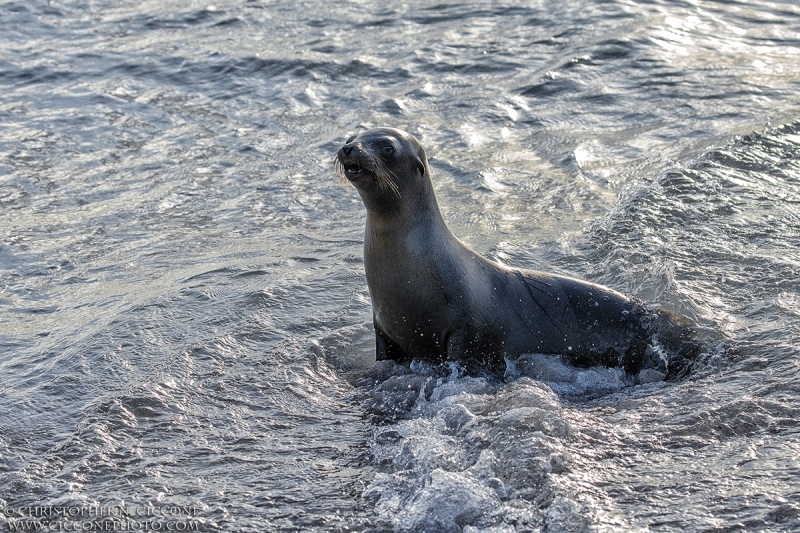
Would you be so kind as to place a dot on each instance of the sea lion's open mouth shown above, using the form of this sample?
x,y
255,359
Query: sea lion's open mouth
x,y
352,169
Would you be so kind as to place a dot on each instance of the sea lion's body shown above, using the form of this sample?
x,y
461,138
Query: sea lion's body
x,y
433,298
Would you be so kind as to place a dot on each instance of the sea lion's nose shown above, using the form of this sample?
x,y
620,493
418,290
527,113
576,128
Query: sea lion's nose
x,y
347,149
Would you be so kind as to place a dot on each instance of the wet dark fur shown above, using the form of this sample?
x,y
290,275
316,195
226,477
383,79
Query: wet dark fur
x,y
433,298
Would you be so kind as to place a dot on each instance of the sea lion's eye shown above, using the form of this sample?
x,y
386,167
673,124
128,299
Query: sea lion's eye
x,y
350,139
387,150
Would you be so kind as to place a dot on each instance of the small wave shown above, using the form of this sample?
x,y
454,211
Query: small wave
x,y
702,234
203,16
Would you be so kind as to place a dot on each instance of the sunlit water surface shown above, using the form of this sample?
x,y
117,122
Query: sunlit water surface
x,y
185,319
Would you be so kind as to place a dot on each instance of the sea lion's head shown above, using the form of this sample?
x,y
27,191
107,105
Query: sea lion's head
x,y
387,166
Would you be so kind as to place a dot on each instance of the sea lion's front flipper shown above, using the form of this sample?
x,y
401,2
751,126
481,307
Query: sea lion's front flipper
x,y
387,349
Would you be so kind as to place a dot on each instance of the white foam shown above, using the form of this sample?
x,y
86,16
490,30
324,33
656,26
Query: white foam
x,y
480,457
568,380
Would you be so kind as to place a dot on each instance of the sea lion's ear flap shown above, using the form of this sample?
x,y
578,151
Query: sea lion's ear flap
x,y
422,160
421,166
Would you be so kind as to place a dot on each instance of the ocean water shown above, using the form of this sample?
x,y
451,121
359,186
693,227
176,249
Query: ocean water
x,y
185,326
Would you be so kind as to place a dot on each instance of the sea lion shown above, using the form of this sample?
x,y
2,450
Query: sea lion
x,y
433,298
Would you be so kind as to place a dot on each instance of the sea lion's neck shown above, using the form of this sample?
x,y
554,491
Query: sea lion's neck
x,y
411,220
403,254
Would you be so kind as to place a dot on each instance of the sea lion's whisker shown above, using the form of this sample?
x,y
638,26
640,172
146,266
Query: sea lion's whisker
x,y
393,185
384,177
338,169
